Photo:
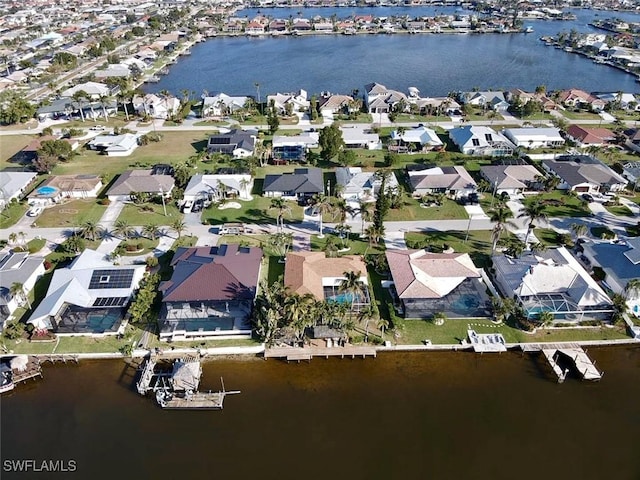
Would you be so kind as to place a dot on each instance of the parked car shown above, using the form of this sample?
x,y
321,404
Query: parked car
x,y
34,211
98,128
586,197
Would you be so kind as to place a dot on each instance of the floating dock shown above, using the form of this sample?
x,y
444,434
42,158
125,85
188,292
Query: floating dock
x,y
570,351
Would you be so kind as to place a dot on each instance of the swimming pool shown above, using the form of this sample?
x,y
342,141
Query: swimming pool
x,y
46,190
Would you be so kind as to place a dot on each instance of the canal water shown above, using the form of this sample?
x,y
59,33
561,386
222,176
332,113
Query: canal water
x,y
402,415
435,64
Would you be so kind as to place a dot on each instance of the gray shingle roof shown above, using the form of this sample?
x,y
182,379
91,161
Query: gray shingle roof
x,y
302,180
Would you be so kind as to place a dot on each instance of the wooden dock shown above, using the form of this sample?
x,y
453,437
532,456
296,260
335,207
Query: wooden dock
x,y
144,383
308,352
32,370
551,356
194,401
573,352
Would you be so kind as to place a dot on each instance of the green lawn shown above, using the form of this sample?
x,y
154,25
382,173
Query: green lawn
x,y
12,144
71,214
619,210
571,115
233,342
139,215
356,245
559,204
411,210
547,236
478,245
10,215
413,332
254,211
147,245
407,117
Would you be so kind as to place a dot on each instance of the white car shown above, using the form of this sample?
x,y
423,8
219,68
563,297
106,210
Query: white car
x,y
34,211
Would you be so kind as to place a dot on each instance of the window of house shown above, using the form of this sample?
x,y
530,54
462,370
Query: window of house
x,y
476,142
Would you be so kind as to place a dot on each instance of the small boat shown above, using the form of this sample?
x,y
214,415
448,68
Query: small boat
x,y
529,29
6,377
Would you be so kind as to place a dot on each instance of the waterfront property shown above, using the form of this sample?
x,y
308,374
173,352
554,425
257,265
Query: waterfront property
x,y
222,104
156,106
132,182
620,262
210,293
17,268
88,297
511,179
13,185
380,99
455,181
577,98
312,272
237,143
58,187
358,185
552,281
493,100
302,184
425,284
584,174
481,141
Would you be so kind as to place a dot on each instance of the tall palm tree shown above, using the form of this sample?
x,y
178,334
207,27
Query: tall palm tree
x,y
13,238
178,226
351,284
280,204
124,96
374,233
632,289
79,96
151,231
244,184
104,100
341,209
501,216
366,213
17,290
579,229
534,211
123,229
297,311
322,205
90,230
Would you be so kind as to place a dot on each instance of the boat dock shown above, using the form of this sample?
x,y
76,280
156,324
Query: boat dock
x,y
32,370
308,352
570,351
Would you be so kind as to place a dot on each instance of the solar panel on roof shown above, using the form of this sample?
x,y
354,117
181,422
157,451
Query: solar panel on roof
x,y
220,141
102,279
110,301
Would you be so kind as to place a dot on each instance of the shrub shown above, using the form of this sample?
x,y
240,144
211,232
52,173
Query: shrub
x,y
104,201
47,265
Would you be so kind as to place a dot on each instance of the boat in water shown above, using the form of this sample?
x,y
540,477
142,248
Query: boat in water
x,y
6,377
529,29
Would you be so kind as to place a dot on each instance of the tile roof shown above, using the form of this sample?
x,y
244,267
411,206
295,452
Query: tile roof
x,y
419,274
141,181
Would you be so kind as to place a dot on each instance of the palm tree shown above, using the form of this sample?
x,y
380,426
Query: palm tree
x,y
297,311
579,229
123,229
322,205
104,99
632,289
79,96
343,232
178,226
13,238
545,318
90,230
125,97
341,208
366,213
151,231
351,284
282,207
17,290
244,184
383,324
533,211
374,233
500,216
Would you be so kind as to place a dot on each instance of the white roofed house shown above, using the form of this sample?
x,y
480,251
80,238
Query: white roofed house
x,y
17,268
379,99
420,138
222,104
114,145
213,187
94,90
57,187
626,101
453,181
289,102
552,281
357,185
89,297
481,141
13,185
548,137
360,137
156,106
488,100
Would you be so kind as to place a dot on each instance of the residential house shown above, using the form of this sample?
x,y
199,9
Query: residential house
x,y
293,147
511,179
214,187
29,153
631,171
577,98
210,293
289,102
117,70
301,25
584,174
156,106
21,268
552,281
524,97
237,143
302,184
481,141
436,106
379,99
330,104
89,297
307,272
140,181
13,185
94,90
547,137
620,262
626,101
114,145
453,181
222,104
428,283
590,137
355,136
57,187
254,28
418,139
356,185
487,100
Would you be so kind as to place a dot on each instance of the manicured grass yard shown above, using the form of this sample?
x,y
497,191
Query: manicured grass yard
x,y
10,215
136,215
147,245
411,210
233,342
71,214
12,144
357,245
559,204
478,245
619,210
253,211
413,332
571,115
